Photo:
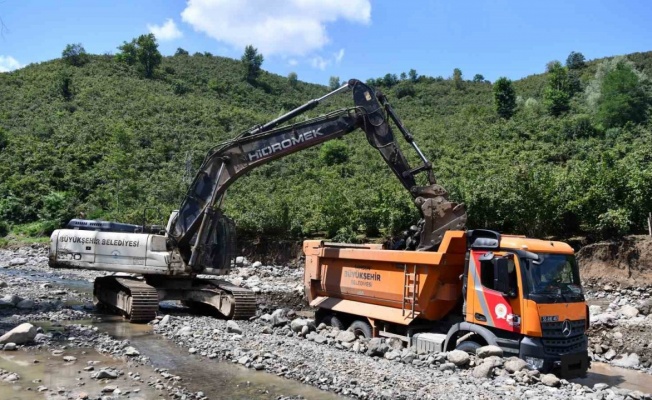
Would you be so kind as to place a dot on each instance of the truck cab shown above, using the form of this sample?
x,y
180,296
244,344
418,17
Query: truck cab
x,y
527,293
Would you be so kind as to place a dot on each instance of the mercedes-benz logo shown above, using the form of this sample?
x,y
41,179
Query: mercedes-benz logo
x,y
566,328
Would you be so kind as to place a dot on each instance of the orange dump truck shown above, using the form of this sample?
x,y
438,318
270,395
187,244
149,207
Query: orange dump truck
x,y
479,288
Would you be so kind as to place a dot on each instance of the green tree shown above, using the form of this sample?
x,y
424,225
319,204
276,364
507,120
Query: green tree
x,y
390,80
412,74
557,93
504,97
478,78
252,61
403,76
623,98
457,78
575,60
75,55
293,79
142,50
180,52
333,82
63,84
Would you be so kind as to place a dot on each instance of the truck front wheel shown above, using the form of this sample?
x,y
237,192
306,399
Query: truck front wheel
x,y
334,321
468,346
361,328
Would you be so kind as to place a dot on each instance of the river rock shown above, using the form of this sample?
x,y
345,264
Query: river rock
x,y
279,318
392,355
594,309
69,358
628,311
458,357
17,261
493,360
256,264
627,361
26,304
298,324
319,339
9,347
515,364
13,377
23,333
611,353
131,351
183,331
233,327
550,380
345,336
105,374
487,351
377,347
164,321
483,370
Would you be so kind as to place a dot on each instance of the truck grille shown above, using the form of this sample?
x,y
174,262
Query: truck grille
x,y
556,342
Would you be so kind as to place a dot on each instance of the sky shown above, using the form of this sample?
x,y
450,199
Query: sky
x,y
318,39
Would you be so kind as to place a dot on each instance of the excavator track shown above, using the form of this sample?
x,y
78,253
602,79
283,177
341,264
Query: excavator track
x,y
244,300
134,299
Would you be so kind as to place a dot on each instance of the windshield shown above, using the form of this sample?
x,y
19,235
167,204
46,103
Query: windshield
x,y
555,274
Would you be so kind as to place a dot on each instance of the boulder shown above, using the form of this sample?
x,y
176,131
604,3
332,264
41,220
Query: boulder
x,y
256,264
105,374
493,360
233,327
515,364
298,324
628,311
319,339
550,380
23,333
164,321
392,355
611,353
183,331
9,347
483,370
458,357
26,304
377,347
131,351
627,361
345,336
279,318
594,309
606,319
487,351
17,261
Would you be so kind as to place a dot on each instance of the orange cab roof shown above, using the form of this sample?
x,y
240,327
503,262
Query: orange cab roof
x,y
534,245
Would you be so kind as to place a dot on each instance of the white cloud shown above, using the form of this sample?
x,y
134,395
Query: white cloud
x,y
8,63
292,62
167,31
339,56
285,27
320,62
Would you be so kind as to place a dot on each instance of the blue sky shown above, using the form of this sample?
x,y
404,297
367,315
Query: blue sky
x,y
346,38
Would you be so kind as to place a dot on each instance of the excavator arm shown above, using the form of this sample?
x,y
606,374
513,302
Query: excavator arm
x,y
197,232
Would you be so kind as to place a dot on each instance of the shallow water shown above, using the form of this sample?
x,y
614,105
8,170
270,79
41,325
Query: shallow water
x,y
53,372
618,377
218,380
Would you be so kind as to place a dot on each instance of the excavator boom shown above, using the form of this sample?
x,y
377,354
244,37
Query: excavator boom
x,y
195,229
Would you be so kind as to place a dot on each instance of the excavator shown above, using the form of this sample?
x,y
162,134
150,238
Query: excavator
x,y
200,240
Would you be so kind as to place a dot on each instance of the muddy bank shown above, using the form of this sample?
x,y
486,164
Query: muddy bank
x,y
626,262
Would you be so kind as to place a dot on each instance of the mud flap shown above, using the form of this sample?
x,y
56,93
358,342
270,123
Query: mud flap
x,y
574,365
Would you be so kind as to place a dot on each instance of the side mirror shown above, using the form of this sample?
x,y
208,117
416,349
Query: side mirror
x,y
501,275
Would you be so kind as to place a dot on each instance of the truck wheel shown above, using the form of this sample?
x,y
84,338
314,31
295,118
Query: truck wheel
x,y
334,321
361,328
468,346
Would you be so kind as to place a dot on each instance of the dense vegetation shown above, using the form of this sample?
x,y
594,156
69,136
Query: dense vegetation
x,y
111,137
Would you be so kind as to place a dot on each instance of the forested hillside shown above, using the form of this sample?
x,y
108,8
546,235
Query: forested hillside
x,y
572,156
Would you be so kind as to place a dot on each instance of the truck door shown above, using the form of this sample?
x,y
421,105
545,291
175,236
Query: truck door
x,y
485,304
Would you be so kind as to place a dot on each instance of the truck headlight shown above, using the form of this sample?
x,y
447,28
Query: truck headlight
x,y
535,362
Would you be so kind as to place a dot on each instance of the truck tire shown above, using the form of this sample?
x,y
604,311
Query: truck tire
x,y
469,346
361,328
334,321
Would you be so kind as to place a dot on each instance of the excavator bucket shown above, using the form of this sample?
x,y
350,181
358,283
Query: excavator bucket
x,y
439,216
